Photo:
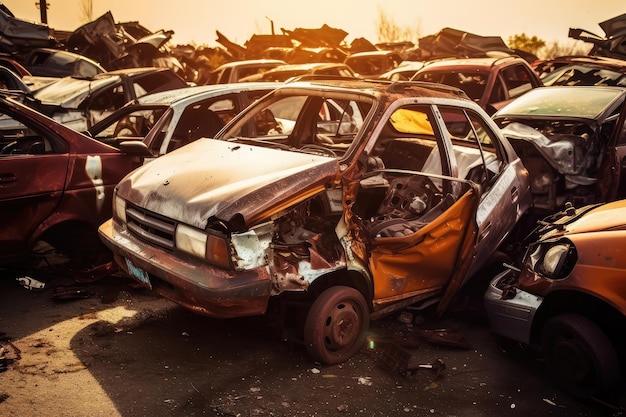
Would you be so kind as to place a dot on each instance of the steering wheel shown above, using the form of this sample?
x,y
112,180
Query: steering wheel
x,y
9,148
319,149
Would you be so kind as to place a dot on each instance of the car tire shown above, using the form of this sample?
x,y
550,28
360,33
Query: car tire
x,y
336,325
580,356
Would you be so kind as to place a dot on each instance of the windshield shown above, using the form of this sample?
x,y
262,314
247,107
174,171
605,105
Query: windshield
x,y
473,82
311,123
578,102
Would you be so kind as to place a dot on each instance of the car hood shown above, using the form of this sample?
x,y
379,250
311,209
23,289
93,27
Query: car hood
x,y
609,216
213,178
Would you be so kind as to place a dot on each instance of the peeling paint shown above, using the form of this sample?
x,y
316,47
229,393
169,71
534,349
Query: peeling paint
x,y
93,169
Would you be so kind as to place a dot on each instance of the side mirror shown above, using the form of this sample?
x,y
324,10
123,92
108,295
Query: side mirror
x,y
135,148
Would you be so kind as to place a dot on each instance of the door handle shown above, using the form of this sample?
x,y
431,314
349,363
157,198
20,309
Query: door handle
x,y
7,177
514,195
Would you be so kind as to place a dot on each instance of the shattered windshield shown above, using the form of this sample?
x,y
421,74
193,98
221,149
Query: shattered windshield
x,y
311,123
583,75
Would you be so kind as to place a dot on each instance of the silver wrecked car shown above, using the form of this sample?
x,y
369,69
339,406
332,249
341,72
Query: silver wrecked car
x,y
342,202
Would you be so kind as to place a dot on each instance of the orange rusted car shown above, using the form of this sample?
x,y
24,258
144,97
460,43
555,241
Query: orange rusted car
x,y
568,298
343,201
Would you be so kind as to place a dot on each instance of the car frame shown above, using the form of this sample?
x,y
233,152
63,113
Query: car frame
x,y
347,200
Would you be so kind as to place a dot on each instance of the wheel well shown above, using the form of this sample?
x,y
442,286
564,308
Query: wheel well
x,y
79,241
352,279
609,319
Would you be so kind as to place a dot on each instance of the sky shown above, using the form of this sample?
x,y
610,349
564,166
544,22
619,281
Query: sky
x,y
196,21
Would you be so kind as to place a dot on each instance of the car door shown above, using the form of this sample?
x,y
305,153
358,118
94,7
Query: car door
x,y
33,171
413,214
612,175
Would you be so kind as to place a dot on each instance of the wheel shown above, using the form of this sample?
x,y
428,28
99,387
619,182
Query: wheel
x,y
336,325
581,356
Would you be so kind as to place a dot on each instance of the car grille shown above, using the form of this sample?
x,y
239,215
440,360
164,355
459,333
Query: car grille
x,y
150,227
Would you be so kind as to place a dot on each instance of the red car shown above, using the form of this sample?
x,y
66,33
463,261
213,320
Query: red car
x,y
56,185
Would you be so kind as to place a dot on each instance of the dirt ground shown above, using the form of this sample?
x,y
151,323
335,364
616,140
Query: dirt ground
x,y
111,349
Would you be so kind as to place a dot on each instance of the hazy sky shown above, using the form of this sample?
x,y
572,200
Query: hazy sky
x,y
197,20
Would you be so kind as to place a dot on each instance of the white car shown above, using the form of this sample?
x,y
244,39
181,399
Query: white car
x,y
165,121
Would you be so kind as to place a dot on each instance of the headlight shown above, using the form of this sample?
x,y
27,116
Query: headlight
x,y
212,248
119,209
558,260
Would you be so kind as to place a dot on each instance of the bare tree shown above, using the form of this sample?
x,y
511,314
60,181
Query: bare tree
x,y
389,31
86,11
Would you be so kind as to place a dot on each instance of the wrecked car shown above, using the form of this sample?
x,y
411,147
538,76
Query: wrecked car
x,y
612,44
233,72
572,141
158,123
566,298
81,102
48,62
346,201
56,186
582,70
372,64
289,72
491,82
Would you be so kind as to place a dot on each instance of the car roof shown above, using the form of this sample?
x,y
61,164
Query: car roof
x,y
307,67
172,96
371,53
251,62
479,62
378,88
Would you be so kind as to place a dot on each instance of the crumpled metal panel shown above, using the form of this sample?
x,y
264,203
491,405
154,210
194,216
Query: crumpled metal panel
x,y
17,35
565,153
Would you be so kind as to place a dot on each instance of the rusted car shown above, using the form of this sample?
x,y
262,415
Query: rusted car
x,y
573,142
56,185
491,82
343,202
567,298
373,64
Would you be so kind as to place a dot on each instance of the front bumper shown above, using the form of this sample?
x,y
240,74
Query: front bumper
x,y
511,317
197,286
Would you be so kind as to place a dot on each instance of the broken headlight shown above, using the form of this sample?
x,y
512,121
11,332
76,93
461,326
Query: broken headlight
x,y
207,246
555,260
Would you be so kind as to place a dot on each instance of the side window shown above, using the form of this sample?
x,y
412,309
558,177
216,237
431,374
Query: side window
x,y
476,155
197,121
225,76
225,108
110,99
408,141
517,79
21,140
